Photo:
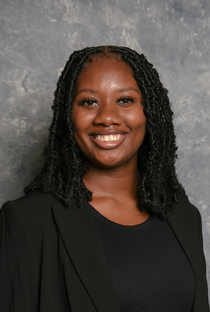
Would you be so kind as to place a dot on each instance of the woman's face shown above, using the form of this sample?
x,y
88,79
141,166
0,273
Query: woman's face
x,y
108,114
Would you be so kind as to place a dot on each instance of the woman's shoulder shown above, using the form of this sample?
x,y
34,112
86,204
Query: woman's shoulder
x,y
33,206
184,206
28,219
184,212
31,200
36,197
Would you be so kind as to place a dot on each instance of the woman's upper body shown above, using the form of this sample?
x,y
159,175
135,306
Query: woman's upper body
x,y
111,143
112,133
52,258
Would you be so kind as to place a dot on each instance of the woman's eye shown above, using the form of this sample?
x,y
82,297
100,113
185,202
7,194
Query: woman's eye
x,y
126,100
88,102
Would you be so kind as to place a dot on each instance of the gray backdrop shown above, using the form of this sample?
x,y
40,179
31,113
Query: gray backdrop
x,y
37,37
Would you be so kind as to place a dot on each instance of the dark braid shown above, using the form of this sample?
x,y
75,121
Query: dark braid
x,y
62,174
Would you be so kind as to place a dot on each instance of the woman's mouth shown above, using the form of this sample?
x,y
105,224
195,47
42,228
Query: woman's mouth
x,y
108,141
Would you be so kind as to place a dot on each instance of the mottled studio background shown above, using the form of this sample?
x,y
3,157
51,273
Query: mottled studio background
x,y
37,37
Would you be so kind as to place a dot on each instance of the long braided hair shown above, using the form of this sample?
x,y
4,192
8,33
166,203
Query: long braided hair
x,y
62,174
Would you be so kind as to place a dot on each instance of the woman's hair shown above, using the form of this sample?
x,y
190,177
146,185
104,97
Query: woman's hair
x,y
62,174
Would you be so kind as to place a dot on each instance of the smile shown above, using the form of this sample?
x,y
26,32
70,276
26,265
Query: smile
x,y
108,138
108,141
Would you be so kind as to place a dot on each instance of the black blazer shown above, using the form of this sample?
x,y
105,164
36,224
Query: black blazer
x,y
51,259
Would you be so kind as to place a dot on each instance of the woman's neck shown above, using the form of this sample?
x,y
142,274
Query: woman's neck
x,y
113,182
115,194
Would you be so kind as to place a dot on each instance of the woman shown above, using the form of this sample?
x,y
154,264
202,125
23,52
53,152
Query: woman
x,y
106,226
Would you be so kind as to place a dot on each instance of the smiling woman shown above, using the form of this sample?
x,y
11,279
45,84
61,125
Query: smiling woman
x,y
106,225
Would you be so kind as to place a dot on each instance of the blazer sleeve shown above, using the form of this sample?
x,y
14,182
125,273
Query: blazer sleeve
x,y
18,270
199,226
201,302
200,235
198,220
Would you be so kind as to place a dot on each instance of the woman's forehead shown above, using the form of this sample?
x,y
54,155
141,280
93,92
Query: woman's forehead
x,y
106,74
101,56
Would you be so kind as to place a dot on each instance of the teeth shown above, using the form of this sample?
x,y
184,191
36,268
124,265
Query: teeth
x,y
108,138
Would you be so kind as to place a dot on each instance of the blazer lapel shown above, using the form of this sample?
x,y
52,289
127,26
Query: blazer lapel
x,y
82,243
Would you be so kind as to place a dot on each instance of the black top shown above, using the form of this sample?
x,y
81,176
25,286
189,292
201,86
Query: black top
x,y
149,268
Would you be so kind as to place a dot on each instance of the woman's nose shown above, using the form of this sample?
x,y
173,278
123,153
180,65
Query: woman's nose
x,y
107,115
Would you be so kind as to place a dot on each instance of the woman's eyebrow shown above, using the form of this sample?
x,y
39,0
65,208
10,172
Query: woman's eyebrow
x,y
85,90
94,91
128,89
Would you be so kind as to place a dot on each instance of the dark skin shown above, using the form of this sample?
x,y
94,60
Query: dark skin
x,y
109,128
